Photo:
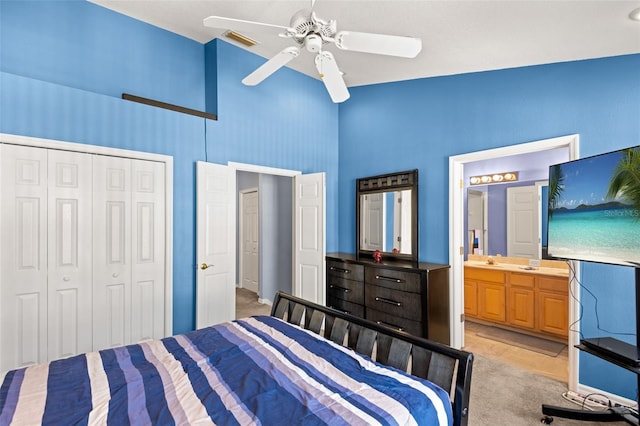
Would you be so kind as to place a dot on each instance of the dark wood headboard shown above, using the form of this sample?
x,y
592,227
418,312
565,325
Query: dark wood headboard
x,y
447,367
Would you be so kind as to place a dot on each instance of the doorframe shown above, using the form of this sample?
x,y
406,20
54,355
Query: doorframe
x,y
457,238
137,155
242,193
254,168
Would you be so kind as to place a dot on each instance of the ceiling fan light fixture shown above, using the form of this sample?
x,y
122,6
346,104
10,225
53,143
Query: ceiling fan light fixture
x,y
635,14
240,38
313,43
312,33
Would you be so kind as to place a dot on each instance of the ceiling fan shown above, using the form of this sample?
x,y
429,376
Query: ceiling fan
x,y
311,32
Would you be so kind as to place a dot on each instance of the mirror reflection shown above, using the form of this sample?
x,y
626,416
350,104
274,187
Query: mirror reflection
x,y
385,219
507,220
387,216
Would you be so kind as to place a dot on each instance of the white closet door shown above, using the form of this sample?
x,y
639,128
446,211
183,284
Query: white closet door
x,y
69,253
23,250
148,246
111,251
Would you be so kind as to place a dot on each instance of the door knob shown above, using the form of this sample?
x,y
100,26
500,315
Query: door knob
x,y
205,266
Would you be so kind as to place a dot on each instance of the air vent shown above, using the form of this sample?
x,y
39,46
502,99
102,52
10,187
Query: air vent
x,y
240,38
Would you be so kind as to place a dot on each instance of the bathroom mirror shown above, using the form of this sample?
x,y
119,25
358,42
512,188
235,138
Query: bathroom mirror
x,y
387,215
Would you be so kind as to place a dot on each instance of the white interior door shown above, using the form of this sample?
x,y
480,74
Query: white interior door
x,y
402,221
309,237
215,247
373,212
69,254
522,222
476,219
23,249
249,239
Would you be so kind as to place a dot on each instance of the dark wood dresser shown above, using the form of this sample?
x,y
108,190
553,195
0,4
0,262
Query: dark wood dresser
x,y
393,293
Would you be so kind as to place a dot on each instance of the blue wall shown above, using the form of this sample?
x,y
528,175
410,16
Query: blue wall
x,y
64,65
420,123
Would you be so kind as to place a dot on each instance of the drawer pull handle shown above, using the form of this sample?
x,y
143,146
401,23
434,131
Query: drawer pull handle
x,y
389,325
344,271
389,301
382,277
346,290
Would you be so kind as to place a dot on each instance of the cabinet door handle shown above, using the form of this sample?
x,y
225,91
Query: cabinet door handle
x,y
388,301
346,290
389,325
382,277
344,271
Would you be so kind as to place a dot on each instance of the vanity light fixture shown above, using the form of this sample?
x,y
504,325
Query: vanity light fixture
x,y
493,178
635,14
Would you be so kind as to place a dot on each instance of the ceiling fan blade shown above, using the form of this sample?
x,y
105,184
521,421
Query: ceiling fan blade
x,y
271,66
242,26
331,77
381,44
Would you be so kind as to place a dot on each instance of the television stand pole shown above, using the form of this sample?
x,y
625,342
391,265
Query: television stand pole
x,y
612,414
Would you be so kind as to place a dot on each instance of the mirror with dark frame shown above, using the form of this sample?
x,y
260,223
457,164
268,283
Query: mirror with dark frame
x,y
387,216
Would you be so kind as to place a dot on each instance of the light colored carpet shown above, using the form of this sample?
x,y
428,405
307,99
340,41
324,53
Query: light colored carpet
x,y
524,341
247,304
505,395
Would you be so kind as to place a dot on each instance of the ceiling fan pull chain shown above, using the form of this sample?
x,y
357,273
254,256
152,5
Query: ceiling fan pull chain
x,y
321,68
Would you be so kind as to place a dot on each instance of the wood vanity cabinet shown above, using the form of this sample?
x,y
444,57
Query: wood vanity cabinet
x,y
553,303
522,300
396,294
489,293
526,301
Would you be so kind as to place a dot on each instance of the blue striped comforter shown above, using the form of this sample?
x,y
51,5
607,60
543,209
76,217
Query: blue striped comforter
x,y
259,370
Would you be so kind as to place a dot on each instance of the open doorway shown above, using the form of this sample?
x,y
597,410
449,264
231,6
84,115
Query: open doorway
x,y
291,224
459,244
264,240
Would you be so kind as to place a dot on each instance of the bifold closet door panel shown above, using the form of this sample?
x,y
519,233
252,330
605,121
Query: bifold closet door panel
x,y
69,253
148,246
23,256
112,263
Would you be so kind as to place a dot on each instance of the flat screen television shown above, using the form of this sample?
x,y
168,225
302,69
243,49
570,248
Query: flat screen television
x,y
594,209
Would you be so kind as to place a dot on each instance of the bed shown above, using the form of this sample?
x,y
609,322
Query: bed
x,y
276,369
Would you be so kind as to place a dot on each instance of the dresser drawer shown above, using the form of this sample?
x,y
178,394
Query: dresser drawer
x,y
341,288
344,306
391,278
346,270
394,302
397,323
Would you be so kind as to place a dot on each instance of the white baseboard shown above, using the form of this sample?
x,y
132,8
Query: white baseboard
x,y
616,399
265,302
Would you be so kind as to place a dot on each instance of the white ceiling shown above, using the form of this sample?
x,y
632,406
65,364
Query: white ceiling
x,y
457,36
